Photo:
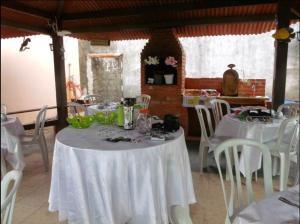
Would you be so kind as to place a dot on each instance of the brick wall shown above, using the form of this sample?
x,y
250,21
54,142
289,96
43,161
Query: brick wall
x,y
165,99
244,89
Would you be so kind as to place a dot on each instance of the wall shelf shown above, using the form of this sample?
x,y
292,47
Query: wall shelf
x,y
154,74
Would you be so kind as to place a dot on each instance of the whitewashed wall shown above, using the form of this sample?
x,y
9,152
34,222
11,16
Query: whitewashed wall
x,y
27,77
72,59
131,74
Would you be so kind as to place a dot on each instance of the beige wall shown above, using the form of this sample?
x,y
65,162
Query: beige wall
x,y
27,77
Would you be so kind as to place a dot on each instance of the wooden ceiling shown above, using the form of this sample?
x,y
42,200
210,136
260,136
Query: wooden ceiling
x,y
134,19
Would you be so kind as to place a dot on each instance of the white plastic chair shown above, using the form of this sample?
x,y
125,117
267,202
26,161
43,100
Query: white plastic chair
x,y
3,108
3,111
3,165
13,153
92,99
143,100
218,111
289,109
208,140
235,202
295,158
8,197
283,148
180,215
76,108
38,136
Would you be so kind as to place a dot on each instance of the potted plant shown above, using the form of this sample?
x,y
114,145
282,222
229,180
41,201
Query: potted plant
x,y
171,64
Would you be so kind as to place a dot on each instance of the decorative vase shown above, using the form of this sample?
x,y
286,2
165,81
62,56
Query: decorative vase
x,y
169,78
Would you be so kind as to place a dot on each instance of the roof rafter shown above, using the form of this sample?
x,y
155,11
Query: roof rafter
x,y
60,8
179,7
19,7
25,27
175,24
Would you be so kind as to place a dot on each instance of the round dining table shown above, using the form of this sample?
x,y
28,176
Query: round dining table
x,y
9,151
97,181
231,126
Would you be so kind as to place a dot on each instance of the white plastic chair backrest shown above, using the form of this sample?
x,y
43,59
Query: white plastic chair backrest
x,y
143,100
289,109
287,131
294,140
92,99
8,197
230,149
76,108
14,146
3,109
40,122
203,113
217,108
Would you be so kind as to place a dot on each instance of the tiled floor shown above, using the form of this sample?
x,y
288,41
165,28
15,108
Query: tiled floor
x,y
32,198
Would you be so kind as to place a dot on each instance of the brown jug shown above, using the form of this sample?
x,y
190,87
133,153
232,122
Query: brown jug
x,y
230,82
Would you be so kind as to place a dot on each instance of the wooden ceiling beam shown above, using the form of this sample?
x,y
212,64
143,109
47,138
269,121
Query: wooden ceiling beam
x,y
175,24
295,12
141,11
60,8
25,27
23,8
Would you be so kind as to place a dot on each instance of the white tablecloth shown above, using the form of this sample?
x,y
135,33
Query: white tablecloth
x,y
11,153
191,101
230,126
270,210
101,108
99,182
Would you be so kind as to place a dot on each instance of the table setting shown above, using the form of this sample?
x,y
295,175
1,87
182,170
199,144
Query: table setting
x,y
283,207
121,171
257,123
256,114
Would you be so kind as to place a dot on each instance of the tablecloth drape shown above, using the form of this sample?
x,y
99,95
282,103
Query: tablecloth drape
x,y
117,183
230,126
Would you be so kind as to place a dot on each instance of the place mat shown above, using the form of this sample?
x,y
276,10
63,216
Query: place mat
x,y
117,134
290,197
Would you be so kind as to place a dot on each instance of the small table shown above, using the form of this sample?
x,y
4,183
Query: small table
x,y
271,210
12,126
95,181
